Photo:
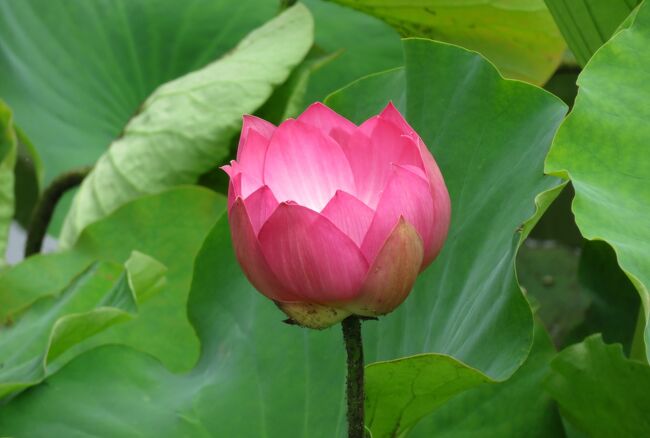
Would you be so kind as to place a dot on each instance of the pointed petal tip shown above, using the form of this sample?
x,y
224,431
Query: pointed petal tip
x,y
231,169
253,120
390,110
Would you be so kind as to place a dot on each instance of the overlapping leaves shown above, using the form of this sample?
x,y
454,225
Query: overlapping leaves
x,y
468,304
76,71
519,36
602,148
53,330
588,24
185,127
600,391
254,371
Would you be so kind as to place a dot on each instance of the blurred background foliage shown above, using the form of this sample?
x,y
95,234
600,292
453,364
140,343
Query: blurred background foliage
x,y
533,321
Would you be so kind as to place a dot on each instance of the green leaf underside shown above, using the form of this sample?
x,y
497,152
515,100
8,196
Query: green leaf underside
x,y
588,24
76,71
601,392
185,127
519,36
8,152
517,408
258,377
40,340
601,145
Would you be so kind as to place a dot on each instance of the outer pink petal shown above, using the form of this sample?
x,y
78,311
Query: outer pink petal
x,y
262,127
241,183
406,194
328,122
392,274
250,257
252,153
253,122
442,203
371,150
305,166
350,215
391,114
310,255
234,187
260,205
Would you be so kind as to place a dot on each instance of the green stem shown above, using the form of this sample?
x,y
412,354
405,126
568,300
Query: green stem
x,y
286,4
354,348
44,209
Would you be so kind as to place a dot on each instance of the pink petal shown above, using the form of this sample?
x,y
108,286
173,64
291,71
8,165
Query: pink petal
x,y
234,187
261,126
406,194
250,257
328,122
260,205
442,204
311,256
392,274
241,183
350,215
305,166
391,114
253,142
371,150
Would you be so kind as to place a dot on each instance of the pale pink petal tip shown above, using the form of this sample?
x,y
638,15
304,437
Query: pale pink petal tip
x,y
328,121
392,114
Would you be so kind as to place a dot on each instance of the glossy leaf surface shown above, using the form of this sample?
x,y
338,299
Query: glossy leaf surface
x,y
602,147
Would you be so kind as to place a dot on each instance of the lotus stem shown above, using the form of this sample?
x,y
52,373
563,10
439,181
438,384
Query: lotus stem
x,y
286,4
355,394
44,209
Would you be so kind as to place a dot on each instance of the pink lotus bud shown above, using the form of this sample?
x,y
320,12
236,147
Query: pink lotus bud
x,y
330,219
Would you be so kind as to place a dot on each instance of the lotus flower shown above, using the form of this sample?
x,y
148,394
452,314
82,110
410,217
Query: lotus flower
x,y
330,219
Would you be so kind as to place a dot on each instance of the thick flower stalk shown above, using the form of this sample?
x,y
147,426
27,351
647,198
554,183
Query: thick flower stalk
x,y
330,219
